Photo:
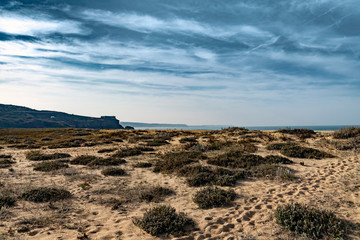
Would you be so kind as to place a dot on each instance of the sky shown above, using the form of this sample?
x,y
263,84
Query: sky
x,y
243,63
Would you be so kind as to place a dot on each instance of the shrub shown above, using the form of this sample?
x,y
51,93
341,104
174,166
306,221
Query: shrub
x,y
68,143
83,160
142,165
49,166
312,222
174,161
188,140
5,156
106,162
4,163
213,197
7,201
277,159
303,152
227,159
277,146
107,150
301,132
113,172
346,133
131,152
155,194
164,220
157,142
45,194
38,156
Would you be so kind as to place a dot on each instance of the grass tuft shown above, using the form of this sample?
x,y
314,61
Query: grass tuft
x,y
312,222
113,172
164,220
49,166
45,194
214,197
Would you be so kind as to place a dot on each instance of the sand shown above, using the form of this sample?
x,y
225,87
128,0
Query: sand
x,y
330,183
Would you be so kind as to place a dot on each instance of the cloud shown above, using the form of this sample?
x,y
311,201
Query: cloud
x,y
13,23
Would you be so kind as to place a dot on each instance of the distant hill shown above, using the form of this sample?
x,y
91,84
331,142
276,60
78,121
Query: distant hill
x,y
22,117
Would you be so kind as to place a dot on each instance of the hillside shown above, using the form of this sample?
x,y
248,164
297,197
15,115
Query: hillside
x,y
22,117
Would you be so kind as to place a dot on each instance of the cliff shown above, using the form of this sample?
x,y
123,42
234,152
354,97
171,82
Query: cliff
x,y
22,117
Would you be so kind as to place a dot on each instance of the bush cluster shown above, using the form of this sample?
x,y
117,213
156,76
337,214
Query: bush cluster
x,y
128,152
113,172
47,166
214,197
7,201
155,194
45,194
142,165
346,133
301,132
4,163
312,222
38,156
173,161
164,220
96,161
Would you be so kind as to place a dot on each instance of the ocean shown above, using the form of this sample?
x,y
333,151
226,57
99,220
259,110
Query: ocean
x,y
219,127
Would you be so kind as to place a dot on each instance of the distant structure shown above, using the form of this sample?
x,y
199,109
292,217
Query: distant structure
x,y
12,116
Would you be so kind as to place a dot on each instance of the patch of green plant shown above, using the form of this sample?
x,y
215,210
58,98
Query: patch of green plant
x,y
45,194
214,197
107,162
346,133
83,160
157,142
301,132
188,140
173,161
164,220
112,171
237,159
38,156
128,152
303,152
142,165
5,163
278,146
49,166
277,159
7,201
107,150
5,156
77,142
227,159
155,194
312,222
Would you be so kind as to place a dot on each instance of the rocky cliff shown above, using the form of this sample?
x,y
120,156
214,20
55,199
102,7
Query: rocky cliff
x,y
22,117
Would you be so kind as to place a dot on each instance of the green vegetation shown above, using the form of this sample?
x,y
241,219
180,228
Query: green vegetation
x,y
128,152
107,150
164,220
45,194
142,165
214,197
113,172
38,156
155,194
157,142
173,161
300,132
7,201
49,166
303,152
345,133
90,160
5,163
312,222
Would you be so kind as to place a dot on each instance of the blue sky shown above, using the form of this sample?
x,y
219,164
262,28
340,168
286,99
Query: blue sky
x,y
245,62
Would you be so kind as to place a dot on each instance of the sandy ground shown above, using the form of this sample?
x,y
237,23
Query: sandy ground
x,y
330,183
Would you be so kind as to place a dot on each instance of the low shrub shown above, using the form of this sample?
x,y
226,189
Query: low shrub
x,y
164,220
83,160
5,163
113,172
214,197
304,152
278,146
38,156
45,194
107,150
277,159
237,160
188,140
142,165
128,152
312,222
300,132
157,142
7,201
106,162
49,166
77,142
173,161
155,194
346,133
4,156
